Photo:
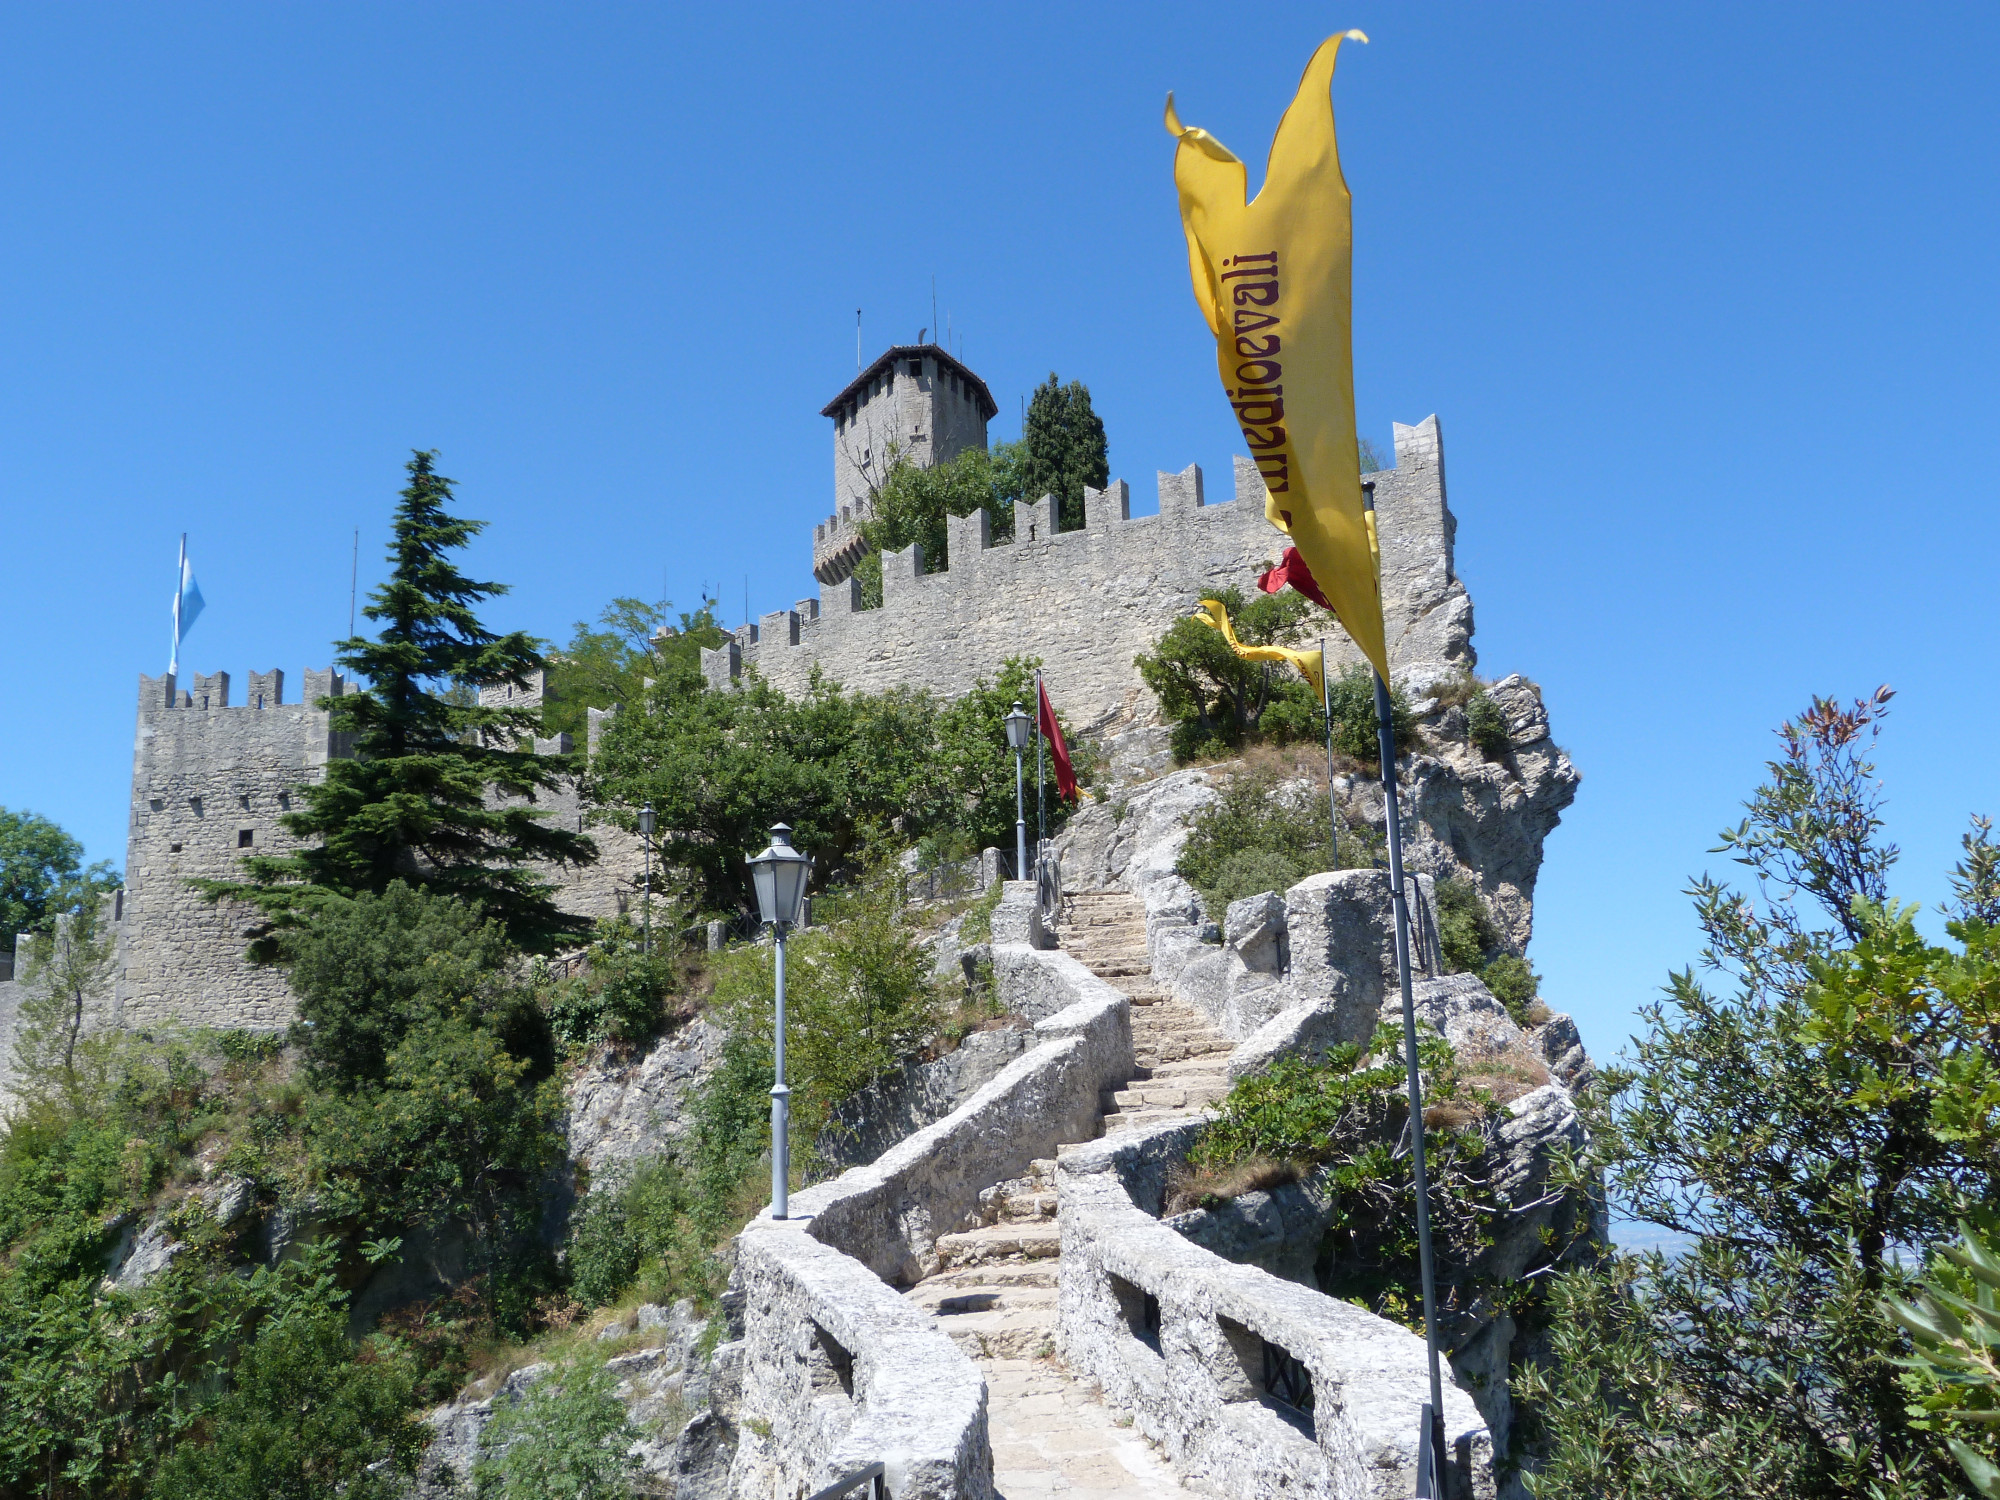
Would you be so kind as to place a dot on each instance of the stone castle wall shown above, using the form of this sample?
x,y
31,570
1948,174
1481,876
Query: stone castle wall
x,y
1087,602
210,780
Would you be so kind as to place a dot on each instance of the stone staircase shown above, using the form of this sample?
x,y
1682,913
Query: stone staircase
x,y
1182,1059
994,1293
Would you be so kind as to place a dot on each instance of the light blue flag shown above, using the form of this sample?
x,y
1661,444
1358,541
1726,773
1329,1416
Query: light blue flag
x,y
187,606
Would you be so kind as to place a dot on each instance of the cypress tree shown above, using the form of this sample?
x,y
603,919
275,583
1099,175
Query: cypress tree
x,y
437,789
1065,448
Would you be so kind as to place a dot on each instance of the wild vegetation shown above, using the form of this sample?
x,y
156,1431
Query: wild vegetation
x,y
1814,1124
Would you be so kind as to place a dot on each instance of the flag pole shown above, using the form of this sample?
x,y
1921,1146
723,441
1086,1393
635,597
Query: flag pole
x,y
1326,711
180,582
1041,811
1426,1268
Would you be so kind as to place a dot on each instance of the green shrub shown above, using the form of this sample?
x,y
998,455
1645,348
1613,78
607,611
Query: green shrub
x,y
1467,936
369,970
1356,732
566,1439
1346,1116
305,1419
1486,726
1469,941
623,995
1260,836
1513,984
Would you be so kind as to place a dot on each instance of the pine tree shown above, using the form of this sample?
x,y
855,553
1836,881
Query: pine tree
x,y
1065,448
415,798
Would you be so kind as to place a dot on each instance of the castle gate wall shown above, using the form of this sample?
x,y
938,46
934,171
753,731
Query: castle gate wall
x,y
1087,602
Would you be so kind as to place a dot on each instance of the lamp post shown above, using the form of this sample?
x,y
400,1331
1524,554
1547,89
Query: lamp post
x,y
779,874
1019,726
647,824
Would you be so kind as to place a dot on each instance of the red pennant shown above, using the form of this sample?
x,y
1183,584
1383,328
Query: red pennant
x,y
1058,751
1292,569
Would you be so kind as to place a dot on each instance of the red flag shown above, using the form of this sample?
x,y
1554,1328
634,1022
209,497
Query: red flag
x,y
1058,751
1292,569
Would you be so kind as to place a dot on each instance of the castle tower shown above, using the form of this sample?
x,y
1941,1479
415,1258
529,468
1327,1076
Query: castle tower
x,y
210,781
915,401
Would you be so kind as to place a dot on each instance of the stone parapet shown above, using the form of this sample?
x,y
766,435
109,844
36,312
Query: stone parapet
x,y
889,1214
1218,1362
838,1371
1088,601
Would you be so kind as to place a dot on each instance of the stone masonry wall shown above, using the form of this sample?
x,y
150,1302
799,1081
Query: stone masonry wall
x,y
1088,601
210,779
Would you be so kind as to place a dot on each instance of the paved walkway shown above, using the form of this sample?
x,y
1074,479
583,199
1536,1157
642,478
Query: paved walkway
x,y
995,1291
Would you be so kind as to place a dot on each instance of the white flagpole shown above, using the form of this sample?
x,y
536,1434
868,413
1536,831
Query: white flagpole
x,y
180,582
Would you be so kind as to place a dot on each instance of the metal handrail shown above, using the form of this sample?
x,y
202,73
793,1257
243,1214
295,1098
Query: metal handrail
x,y
878,1490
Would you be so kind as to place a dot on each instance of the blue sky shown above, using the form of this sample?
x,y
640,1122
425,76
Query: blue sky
x,y
1704,298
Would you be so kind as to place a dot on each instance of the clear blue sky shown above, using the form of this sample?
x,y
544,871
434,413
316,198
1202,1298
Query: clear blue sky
x,y
1705,298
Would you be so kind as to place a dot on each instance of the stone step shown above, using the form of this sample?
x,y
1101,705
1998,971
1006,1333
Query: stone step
x,y
975,1247
1190,1068
1031,1208
1010,1321
1169,1094
1020,1274
1142,1117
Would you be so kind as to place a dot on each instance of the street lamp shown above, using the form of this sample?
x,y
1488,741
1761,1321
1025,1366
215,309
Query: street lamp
x,y
779,874
647,823
1019,728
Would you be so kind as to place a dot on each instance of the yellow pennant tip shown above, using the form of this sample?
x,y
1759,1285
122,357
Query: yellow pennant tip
x,y
1356,35
1174,126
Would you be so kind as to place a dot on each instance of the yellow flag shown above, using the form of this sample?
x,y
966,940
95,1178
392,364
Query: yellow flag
x,y
1274,279
1309,663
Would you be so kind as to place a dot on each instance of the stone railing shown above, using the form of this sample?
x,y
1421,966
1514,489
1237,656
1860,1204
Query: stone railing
x,y
835,1370
832,1369
889,1214
1253,1386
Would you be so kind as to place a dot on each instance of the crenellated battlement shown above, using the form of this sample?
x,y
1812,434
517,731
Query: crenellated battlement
x,y
1088,601
210,690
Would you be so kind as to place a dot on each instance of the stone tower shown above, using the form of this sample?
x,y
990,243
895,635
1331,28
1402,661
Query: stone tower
x,y
917,402
210,780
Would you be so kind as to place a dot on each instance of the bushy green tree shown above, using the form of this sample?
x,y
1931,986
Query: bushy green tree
x,y
622,993
1469,942
1212,696
608,663
567,1438
1063,449
457,1132
1833,1110
42,873
720,768
414,800
370,970
307,1417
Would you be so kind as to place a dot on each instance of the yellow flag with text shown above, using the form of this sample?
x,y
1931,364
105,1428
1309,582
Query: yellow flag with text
x,y
1309,663
1274,278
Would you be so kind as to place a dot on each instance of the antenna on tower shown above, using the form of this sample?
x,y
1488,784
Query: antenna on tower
x,y
857,340
353,578
933,299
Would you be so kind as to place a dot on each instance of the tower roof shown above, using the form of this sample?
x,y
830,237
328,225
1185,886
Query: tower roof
x,y
988,407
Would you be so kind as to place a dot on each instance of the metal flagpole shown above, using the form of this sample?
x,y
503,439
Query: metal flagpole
x,y
180,582
1326,708
1041,813
1386,739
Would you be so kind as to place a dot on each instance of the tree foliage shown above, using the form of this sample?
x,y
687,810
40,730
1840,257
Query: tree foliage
x,y
720,768
414,800
42,874
1259,835
1834,1108
567,1438
1063,449
608,664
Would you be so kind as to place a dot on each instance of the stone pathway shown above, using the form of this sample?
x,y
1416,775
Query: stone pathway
x,y
995,1293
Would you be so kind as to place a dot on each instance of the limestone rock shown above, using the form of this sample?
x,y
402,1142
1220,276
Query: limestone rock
x,y
620,1112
